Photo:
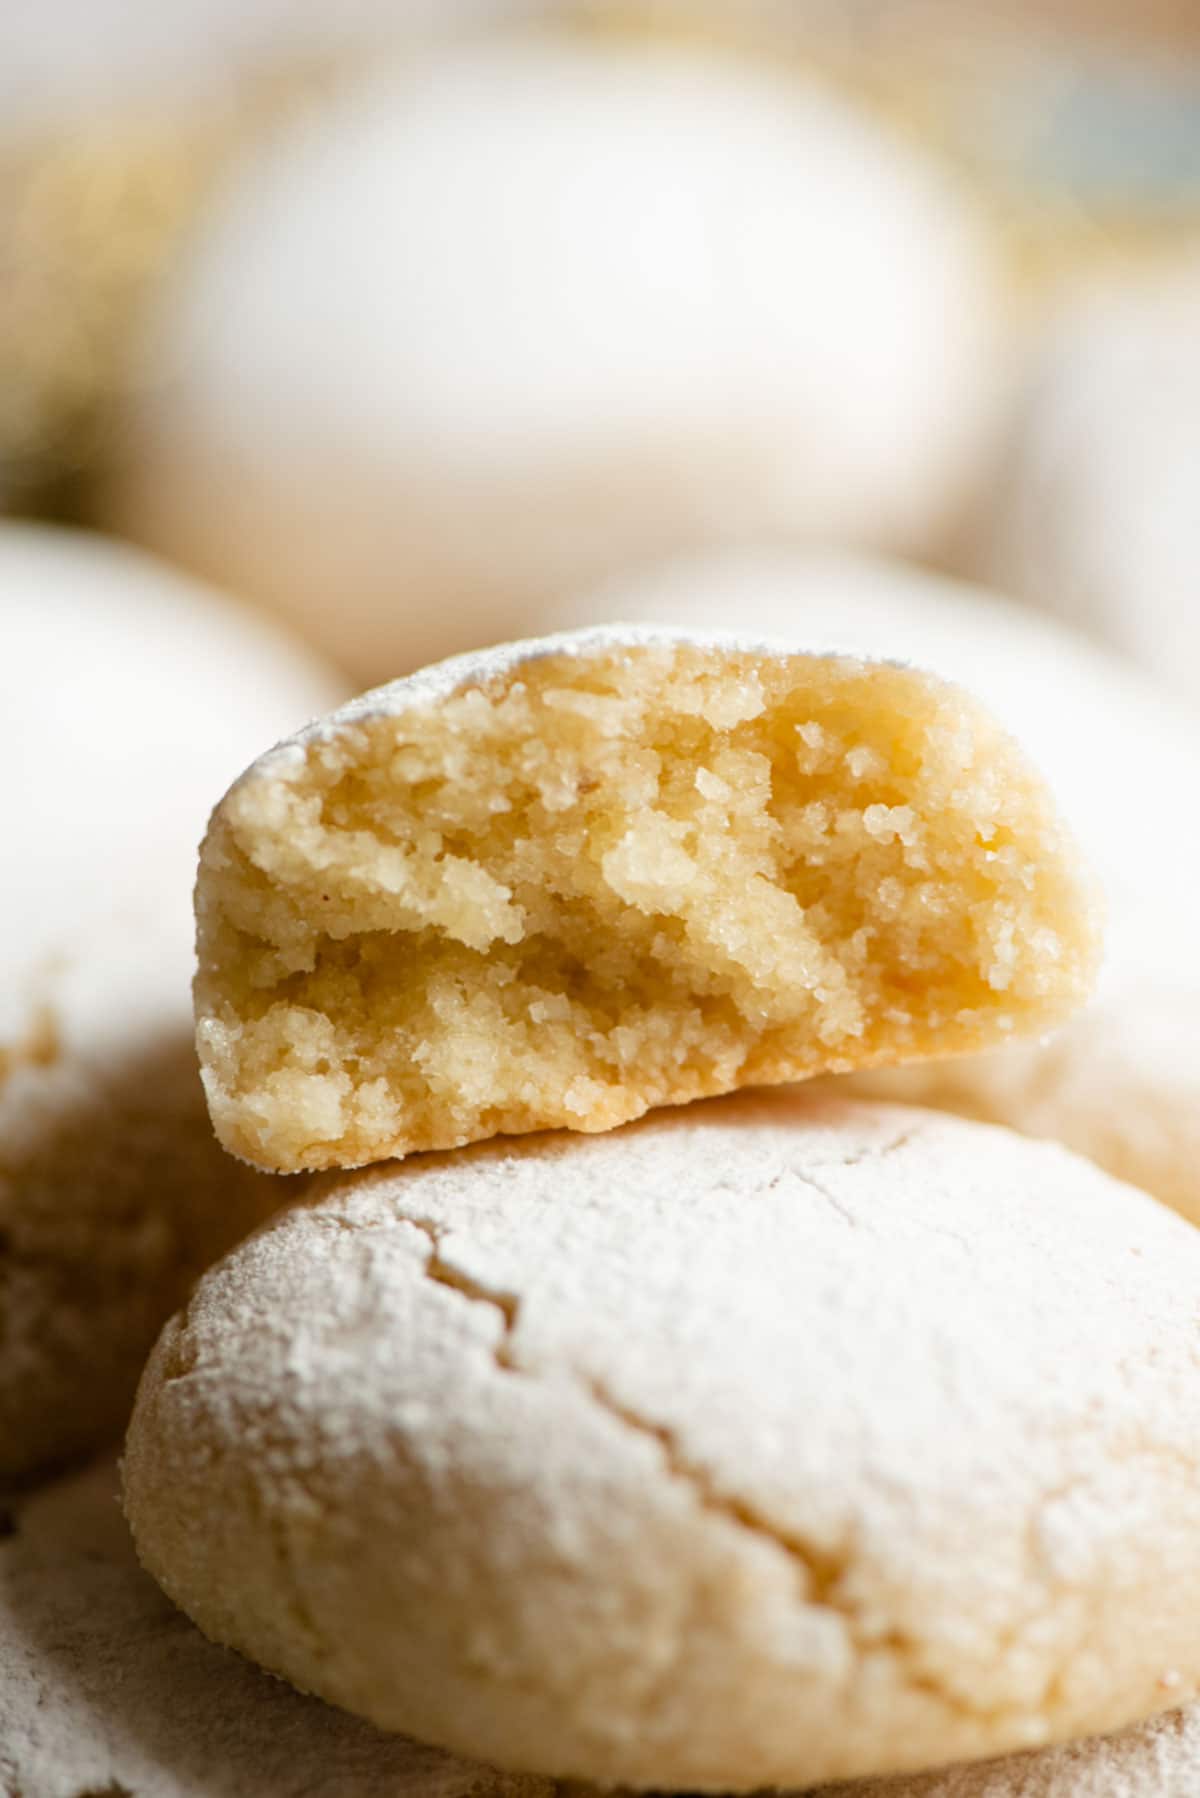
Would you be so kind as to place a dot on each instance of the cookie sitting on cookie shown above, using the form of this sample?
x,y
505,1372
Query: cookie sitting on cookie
x,y
565,881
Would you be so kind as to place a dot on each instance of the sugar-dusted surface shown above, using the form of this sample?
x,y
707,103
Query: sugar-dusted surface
x,y
562,882
106,1689
767,1440
1159,1758
104,1684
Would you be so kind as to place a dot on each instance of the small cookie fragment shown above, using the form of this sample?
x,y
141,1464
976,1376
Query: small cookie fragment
x,y
565,881
776,1439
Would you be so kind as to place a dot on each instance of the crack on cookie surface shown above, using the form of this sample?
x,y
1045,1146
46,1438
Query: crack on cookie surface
x,y
443,1272
820,1574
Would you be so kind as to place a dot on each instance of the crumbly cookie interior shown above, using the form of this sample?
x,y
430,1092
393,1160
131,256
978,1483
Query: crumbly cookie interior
x,y
604,881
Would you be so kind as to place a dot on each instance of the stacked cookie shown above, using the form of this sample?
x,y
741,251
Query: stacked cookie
x,y
127,692
769,1439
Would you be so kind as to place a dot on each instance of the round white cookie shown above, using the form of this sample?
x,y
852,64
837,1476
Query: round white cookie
x,y
521,314
106,1689
1121,1083
127,697
770,1440
1096,512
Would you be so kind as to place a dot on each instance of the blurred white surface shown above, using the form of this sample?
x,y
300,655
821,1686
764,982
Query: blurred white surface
x,y
1097,509
130,697
63,57
519,317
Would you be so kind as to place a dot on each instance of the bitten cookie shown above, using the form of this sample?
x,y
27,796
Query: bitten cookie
x,y
127,697
763,1441
1115,750
531,310
1121,1081
107,1690
561,882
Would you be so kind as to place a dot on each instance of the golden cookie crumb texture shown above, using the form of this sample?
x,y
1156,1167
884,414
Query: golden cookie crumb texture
x,y
562,883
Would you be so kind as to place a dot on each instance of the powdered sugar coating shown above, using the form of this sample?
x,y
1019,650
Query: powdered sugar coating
x,y
105,1688
103,1681
428,687
1156,1759
769,1440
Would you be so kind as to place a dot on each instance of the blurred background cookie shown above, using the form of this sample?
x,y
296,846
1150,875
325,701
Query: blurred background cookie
x,y
1096,511
127,696
518,316
114,123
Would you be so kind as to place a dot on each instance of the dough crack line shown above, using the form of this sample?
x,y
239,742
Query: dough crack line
x,y
819,1573
870,1153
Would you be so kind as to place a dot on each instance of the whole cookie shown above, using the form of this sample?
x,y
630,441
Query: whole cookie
x,y
1120,1083
532,309
127,697
106,1689
563,881
766,1441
